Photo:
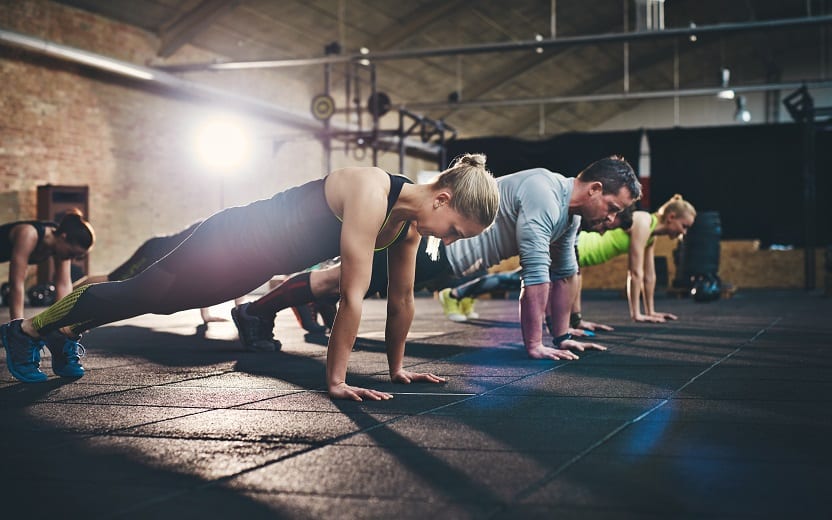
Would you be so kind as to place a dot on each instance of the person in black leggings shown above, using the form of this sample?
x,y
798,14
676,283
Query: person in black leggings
x,y
349,213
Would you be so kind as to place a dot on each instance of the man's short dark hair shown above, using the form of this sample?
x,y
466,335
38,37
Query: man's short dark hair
x,y
614,173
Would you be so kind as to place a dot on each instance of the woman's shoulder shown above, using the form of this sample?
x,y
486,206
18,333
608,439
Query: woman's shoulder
x,y
357,185
640,229
25,231
642,217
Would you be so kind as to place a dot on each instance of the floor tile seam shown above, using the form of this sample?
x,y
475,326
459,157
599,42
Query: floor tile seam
x,y
273,441
416,499
73,400
82,435
560,469
133,508
218,481
249,403
327,443
491,390
221,480
728,356
380,425
77,400
131,405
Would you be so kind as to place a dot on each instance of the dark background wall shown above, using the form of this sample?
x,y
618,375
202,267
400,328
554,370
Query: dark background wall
x,y
751,174
567,154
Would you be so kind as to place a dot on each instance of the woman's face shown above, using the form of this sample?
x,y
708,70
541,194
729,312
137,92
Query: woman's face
x,y
677,225
64,250
445,223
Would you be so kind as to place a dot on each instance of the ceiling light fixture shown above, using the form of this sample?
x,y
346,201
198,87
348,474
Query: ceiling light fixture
x,y
726,93
692,36
742,115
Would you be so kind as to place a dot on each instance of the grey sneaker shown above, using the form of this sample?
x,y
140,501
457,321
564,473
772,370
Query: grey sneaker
x,y
66,355
256,333
22,353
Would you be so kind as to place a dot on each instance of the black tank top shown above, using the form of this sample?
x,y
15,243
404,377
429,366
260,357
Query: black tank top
x,y
396,183
6,239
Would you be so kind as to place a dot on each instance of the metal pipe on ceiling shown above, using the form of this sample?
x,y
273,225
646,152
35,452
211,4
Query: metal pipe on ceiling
x,y
616,96
628,36
157,77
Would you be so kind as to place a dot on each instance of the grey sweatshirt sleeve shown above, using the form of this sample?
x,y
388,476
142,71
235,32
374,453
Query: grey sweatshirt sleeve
x,y
537,220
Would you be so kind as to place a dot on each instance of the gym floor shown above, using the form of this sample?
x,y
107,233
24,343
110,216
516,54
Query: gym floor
x,y
725,413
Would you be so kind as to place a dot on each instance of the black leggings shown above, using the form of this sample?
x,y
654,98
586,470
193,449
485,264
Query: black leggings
x,y
488,283
148,253
230,254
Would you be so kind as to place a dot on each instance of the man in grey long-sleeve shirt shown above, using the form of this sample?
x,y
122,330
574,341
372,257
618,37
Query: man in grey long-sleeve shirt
x,y
538,217
539,214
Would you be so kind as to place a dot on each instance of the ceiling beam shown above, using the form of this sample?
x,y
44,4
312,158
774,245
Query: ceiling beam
x,y
508,74
596,84
184,28
482,48
416,22
501,77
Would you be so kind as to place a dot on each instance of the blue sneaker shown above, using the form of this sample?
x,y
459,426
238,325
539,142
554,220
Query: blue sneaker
x,y
66,355
22,353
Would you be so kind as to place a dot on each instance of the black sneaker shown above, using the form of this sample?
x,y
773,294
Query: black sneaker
x,y
327,309
22,353
307,318
256,333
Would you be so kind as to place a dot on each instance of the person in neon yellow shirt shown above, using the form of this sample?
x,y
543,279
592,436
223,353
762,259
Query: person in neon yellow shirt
x,y
672,219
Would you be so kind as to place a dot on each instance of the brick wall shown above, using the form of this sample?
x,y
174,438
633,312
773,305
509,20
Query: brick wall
x,y
61,123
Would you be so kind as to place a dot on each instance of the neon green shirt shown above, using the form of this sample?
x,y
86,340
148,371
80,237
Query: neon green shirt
x,y
596,248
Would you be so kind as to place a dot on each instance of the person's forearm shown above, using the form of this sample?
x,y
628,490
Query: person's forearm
x,y
562,296
649,291
399,318
533,300
634,287
16,303
576,301
342,339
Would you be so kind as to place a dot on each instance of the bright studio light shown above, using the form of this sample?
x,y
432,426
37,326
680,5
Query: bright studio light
x,y
221,143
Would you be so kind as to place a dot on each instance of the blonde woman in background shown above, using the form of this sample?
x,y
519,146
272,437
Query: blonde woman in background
x,y
673,219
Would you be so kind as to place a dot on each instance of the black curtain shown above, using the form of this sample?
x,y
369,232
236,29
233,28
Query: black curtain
x,y
751,175
566,154
823,175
